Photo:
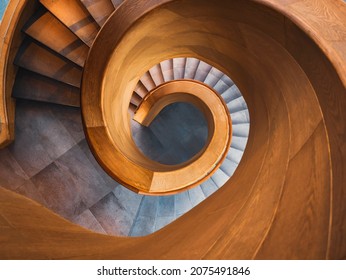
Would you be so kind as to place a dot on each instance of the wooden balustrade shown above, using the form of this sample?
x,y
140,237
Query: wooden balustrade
x,y
121,155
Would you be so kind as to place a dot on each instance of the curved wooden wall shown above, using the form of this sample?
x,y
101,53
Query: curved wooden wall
x,y
287,198
10,39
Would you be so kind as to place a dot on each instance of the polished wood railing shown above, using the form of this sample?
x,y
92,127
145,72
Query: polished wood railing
x,y
120,157
16,14
287,198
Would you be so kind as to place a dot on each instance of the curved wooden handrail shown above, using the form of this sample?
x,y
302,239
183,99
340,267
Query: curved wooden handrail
x,y
163,179
16,14
287,198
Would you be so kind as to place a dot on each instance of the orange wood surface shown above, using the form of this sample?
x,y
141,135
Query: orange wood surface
x,y
77,19
287,199
63,42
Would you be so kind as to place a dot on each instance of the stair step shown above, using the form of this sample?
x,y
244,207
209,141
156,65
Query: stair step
x,y
241,130
228,167
167,70
235,155
130,200
240,117
75,16
236,105
208,187
231,94
182,203
196,195
156,74
50,64
221,86
191,67
136,99
143,225
161,222
219,178
132,109
202,71
239,143
148,81
49,31
227,80
179,68
32,86
166,206
99,9
213,77
144,222
141,89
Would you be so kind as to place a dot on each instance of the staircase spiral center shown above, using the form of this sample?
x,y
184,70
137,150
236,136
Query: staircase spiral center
x,y
176,135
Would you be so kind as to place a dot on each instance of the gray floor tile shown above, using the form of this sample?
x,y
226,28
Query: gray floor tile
x,y
112,216
143,226
59,191
182,203
128,199
87,220
29,190
11,174
90,185
71,119
40,137
166,206
110,182
149,206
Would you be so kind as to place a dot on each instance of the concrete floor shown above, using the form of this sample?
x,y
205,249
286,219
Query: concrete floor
x,y
176,135
50,162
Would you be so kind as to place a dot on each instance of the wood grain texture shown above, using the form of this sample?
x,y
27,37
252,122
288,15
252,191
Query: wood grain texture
x,y
287,198
77,19
49,31
10,39
99,9
32,86
49,63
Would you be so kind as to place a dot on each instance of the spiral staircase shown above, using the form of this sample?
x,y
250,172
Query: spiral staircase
x,y
117,61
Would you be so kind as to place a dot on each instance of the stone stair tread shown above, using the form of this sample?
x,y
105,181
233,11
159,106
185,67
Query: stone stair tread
x,y
231,94
208,187
196,195
241,130
240,117
191,67
228,167
179,68
219,178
